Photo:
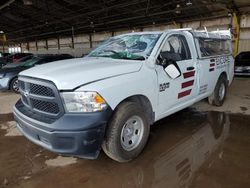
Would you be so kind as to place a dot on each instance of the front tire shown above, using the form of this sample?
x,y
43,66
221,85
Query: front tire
x,y
127,132
218,96
14,85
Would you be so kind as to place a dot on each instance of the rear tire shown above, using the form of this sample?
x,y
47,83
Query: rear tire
x,y
218,96
127,132
14,85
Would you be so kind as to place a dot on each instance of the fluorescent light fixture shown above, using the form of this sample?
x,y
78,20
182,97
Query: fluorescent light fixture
x,y
177,10
189,3
27,2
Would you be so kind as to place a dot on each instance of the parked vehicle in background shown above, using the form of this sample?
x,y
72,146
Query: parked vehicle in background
x,y
9,73
242,64
12,58
18,62
3,62
4,59
110,98
15,57
4,54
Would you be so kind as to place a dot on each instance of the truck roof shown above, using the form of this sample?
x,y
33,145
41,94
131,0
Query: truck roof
x,y
142,33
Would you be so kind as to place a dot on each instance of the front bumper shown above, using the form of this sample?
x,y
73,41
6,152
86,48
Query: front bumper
x,y
4,83
72,134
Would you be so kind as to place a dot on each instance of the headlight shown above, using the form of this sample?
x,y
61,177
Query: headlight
x,y
83,102
2,75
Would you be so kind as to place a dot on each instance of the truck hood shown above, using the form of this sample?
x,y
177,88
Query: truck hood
x,y
69,74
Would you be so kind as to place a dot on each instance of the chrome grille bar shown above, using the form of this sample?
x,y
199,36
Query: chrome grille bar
x,y
40,96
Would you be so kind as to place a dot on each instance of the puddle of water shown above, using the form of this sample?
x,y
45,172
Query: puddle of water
x,y
187,149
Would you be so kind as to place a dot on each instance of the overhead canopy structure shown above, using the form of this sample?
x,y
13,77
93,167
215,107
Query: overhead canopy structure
x,y
23,20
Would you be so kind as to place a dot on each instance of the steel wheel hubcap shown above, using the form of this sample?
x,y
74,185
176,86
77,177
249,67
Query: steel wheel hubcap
x,y
222,91
132,132
15,85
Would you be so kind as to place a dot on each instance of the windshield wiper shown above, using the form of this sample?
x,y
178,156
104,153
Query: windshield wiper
x,y
127,55
122,55
113,51
134,58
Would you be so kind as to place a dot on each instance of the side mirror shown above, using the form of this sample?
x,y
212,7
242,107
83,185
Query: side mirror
x,y
172,71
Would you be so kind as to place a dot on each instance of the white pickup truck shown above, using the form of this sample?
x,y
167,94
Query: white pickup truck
x,y
110,98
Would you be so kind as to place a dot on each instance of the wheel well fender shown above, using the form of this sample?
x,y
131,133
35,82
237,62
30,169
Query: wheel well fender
x,y
144,102
224,74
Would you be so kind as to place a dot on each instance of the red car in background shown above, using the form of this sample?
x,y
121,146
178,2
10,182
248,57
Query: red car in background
x,y
14,57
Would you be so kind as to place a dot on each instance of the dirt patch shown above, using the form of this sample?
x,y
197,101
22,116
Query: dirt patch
x,y
243,108
19,158
6,117
10,128
8,99
60,161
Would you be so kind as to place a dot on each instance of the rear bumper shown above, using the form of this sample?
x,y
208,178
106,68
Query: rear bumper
x,y
242,70
242,73
82,137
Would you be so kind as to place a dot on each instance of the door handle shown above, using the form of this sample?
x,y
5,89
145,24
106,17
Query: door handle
x,y
190,68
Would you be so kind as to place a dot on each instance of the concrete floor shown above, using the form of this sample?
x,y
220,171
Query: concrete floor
x,y
197,147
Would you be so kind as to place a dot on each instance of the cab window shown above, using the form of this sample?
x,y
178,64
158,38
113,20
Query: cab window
x,y
214,47
177,45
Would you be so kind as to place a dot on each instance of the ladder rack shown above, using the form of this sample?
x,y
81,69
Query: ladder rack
x,y
218,34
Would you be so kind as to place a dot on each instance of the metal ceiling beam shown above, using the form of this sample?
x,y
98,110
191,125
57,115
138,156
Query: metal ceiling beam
x,y
115,26
89,13
113,15
6,4
97,11
235,7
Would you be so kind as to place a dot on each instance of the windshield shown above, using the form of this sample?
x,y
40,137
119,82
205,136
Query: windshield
x,y
24,59
31,62
137,47
19,62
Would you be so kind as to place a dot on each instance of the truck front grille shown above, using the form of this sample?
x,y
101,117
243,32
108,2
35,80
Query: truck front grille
x,y
40,96
49,107
41,90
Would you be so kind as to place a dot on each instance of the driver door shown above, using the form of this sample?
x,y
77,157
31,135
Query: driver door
x,y
179,92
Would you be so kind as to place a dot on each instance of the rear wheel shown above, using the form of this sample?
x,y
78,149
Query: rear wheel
x,y
14,85
218,96
127,132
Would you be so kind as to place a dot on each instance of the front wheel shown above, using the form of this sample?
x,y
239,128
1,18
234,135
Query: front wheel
x,y
14,85
218,96
127,132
